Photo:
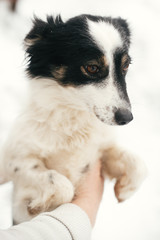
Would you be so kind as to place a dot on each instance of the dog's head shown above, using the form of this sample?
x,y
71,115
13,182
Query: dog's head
x,y
89,54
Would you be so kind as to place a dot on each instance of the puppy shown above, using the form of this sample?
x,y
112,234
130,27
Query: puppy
x,y
77,85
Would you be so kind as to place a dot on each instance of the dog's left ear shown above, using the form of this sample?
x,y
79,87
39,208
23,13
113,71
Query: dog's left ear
x,y
123,28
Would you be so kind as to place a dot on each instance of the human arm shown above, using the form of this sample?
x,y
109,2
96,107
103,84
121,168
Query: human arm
x,y
69,221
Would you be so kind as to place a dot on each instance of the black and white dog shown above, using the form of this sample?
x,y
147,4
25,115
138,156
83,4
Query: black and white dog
x,y
77,70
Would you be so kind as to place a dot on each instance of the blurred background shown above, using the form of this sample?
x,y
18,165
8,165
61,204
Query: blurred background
x,y
139,217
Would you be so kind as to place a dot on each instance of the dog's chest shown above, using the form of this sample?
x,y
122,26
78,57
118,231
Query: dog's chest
x,y
77,159
73,164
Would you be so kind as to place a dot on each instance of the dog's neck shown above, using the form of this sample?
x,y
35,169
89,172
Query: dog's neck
x,y
53,105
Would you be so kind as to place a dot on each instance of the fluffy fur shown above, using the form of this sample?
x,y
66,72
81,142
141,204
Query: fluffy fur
x,y
77,83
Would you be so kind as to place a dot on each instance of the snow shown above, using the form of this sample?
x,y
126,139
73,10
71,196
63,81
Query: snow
x,y
139,217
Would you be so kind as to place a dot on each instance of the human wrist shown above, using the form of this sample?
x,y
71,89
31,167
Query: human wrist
x,y
89,206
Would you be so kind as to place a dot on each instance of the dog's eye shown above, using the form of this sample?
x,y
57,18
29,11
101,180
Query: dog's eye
x,y
92,69
125,67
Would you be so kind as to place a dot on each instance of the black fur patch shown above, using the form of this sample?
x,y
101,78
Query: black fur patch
x,y
35,166
16,169
85,169
53,45
119,74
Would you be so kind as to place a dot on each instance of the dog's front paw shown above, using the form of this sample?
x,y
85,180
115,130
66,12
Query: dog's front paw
x,y
124,188
55,189
128,183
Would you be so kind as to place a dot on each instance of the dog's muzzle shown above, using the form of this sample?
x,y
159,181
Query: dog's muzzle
x,y
123,116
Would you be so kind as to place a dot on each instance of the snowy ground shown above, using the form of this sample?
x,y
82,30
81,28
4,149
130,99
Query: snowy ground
x,y
139,217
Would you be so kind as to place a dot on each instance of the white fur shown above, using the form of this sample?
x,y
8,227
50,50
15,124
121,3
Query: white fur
x,y
51,144
57,136
106,36
103,100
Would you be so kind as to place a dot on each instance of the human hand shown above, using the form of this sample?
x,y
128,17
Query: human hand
x,y
90,192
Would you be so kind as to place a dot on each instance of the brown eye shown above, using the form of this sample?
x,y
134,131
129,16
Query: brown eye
x,y
92,69
125,67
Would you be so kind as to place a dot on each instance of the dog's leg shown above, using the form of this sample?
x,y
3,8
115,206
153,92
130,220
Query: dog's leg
x,y
38,189
128,170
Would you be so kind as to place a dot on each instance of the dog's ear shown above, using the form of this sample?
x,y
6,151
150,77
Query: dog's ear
x,y
123,28
41,29
41,45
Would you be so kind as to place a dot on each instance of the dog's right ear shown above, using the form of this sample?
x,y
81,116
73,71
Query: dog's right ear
x,y
37,32
41,29
41,45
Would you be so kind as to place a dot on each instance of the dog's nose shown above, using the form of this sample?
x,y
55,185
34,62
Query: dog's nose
x,y
123,116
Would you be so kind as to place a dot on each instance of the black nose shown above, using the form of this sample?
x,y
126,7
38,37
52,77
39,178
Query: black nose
x,y
123,116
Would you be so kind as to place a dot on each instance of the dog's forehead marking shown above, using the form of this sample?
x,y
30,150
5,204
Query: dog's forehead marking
x,y
105,35
108,39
